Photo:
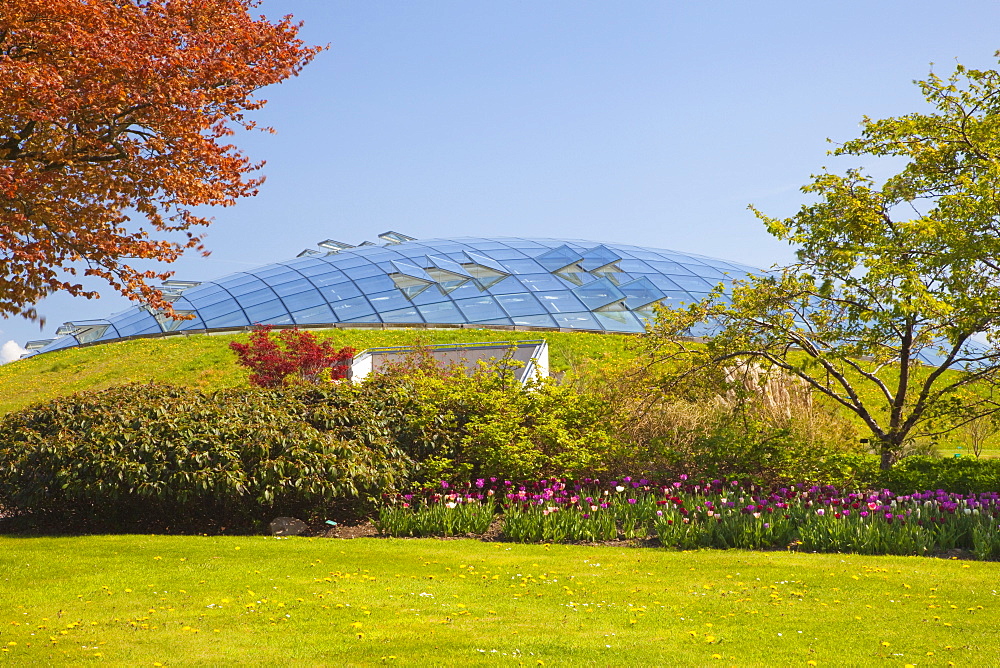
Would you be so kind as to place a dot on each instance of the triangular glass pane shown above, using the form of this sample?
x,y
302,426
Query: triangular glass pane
x,y
598,293
414,290
411,270
483,261
613,307
574,274
444,276
484,283
446,287
444,264
559,258
641,292
599,257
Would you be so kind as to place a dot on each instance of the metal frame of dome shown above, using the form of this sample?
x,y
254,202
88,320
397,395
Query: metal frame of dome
x,y
504,283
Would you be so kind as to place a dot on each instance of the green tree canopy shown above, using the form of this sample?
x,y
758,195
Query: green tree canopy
x,y
892,278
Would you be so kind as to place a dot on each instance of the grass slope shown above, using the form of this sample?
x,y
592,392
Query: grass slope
x,y
136,600
206,362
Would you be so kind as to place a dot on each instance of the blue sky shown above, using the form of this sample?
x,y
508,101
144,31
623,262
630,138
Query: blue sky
x,y
651,123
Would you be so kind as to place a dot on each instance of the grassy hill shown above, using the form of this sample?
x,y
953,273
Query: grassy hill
x,y
206,362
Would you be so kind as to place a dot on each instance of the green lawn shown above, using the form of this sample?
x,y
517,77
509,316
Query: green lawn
x,y
146,600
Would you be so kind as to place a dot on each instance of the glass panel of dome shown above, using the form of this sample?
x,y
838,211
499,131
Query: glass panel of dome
x,y
523,303
316,315
347,260
444,263
559,258
467,290
486,246
60,343
257,297
619,321
523,266
363,271
644,254
266,312
474,259
328,278
194,323
406,315
576,320
504,254
236,319
409,269
292,287
410,252
249,288
534,320
698,296
664,267
304,262
703,270
375,284
271,273
541,282
316,266
388,301
352,308
236,281
480,308
433,295
340,292
662,282
598,293
640,292
598,257
562,301
134,314
303,300
524,244
502,322
692,283
508,285
444,312
110,333
377,253
446,248
635,266
146,325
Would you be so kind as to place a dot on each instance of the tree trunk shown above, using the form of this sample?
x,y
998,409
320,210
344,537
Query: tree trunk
x,y
887,449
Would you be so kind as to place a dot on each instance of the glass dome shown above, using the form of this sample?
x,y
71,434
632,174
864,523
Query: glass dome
x,y
506,282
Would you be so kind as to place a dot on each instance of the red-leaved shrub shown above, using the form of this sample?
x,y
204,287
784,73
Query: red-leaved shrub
x,y
291,355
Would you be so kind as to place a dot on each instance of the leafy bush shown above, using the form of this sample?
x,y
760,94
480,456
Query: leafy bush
x,y
487,424
291,356
152,456
964,476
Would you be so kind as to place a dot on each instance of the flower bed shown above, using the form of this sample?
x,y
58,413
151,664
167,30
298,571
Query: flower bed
x,y
688,514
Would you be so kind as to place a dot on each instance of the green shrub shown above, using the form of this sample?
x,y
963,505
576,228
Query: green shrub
x,y
486,424
153,456
963,476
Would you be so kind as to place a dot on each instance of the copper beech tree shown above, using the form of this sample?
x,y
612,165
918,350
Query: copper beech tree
x,y
114,119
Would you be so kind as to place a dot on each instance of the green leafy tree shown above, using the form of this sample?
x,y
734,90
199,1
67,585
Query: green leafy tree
x,y
892,279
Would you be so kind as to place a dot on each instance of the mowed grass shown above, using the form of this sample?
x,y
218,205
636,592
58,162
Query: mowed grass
x,y
138,600
205,362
